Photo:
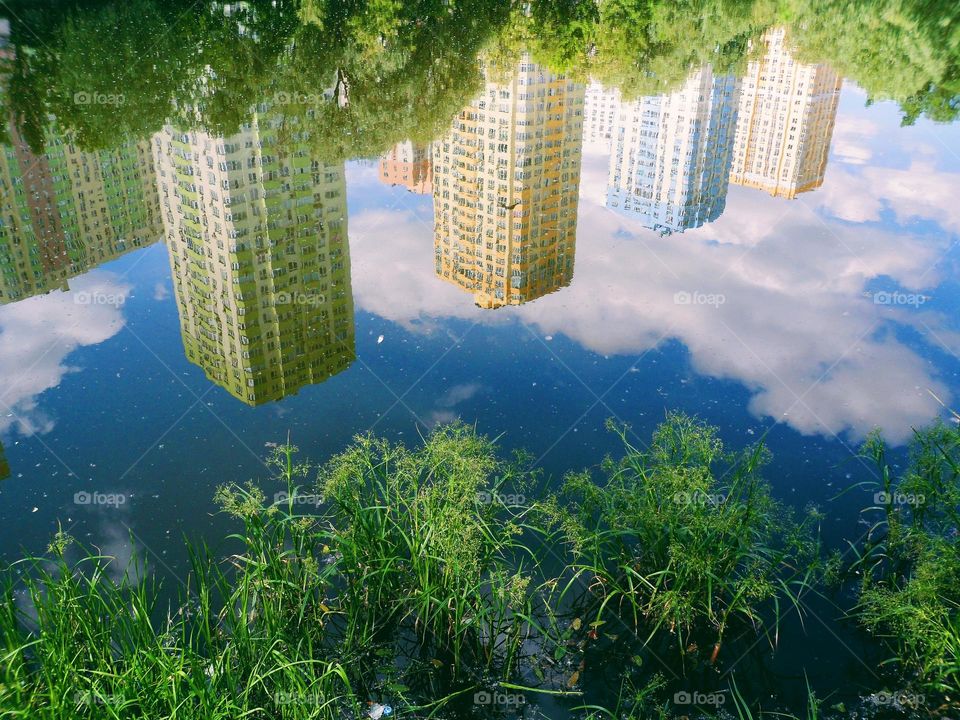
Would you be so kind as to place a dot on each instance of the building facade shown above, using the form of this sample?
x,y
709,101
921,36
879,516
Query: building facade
x,y
408,164
670,159
257,236
64,211
787,114
601,110
506,186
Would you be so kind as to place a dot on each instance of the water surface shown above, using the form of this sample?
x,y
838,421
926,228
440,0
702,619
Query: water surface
x,y
193,268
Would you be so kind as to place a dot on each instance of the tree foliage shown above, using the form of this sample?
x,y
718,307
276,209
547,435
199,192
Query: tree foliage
x,y
902,50
368,73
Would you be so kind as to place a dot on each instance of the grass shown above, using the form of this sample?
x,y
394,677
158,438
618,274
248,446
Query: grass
x,y
910,560
685,536
423,541
417,577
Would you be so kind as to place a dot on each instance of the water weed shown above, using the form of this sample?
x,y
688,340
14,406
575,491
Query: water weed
x,y
412,582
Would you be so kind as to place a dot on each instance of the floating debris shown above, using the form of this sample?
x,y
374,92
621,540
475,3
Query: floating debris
x,y
378,711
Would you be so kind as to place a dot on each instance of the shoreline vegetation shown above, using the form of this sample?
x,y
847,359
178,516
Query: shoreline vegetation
x,y
366,75
438,581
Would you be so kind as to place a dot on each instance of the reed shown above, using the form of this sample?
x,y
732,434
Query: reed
x,y
417,577
909,561
684,538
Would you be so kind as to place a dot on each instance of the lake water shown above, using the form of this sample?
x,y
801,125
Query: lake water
x,y
755,243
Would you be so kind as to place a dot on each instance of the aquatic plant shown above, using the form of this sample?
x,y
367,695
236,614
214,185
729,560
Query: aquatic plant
x,y
416,577
685,537
910,559
429,538
245,640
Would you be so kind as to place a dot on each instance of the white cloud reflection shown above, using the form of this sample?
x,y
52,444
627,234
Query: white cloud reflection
x,y
796,328
38,334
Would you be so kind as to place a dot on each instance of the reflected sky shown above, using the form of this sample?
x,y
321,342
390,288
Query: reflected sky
x,y
38,336
816,298
832,308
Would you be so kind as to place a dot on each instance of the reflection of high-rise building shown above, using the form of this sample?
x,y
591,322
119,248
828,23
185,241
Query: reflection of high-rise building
x,y
4,465
506,184
257,237
671,153
787,113
601,108
408,164
64,211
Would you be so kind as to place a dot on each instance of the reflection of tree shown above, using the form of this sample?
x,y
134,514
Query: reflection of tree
x,y
366,74
363,97
649,48
135,49
376,72
895,49
904,50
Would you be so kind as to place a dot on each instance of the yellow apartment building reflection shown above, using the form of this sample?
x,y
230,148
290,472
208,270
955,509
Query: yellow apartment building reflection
x,y
256,231
506,180
64,211
786,118
408,164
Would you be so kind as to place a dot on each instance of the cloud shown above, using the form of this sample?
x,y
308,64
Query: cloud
x,y
38,334
852,140
921,191
445,410
794,327
391,259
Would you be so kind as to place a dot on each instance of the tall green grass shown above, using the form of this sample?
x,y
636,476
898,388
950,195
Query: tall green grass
x,y
910,559
684,538
418,577
246,638
426,542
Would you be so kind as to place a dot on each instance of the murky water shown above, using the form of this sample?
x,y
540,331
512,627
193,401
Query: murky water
x,y
213,236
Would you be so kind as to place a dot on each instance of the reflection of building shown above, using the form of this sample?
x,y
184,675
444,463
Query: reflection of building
x,y
601,108
506,183
671,153
4,465
65,211
787,112
258,249
408,164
